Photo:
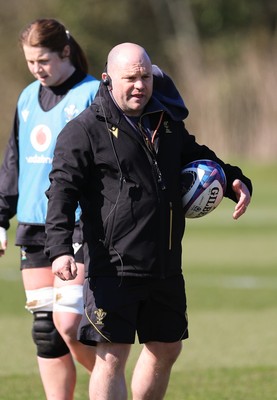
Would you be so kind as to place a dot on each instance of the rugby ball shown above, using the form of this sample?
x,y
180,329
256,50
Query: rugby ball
x,y
203,184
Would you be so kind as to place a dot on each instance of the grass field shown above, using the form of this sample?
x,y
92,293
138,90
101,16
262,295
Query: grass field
x,y
231,278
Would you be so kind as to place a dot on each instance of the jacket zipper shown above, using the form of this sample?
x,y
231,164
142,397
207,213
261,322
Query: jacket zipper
x,y
150,147
170,225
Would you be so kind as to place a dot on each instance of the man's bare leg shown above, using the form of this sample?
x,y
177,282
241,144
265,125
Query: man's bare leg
x,y
153,368
107,380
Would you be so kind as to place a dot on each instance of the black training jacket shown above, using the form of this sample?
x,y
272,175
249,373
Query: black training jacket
x,y
132,216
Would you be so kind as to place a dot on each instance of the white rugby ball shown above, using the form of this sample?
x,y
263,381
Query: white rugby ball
x,y
203,184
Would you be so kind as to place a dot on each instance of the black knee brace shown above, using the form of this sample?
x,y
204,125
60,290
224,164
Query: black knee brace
x,y
49,342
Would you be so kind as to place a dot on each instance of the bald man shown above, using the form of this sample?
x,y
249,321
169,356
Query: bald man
x,y
121,160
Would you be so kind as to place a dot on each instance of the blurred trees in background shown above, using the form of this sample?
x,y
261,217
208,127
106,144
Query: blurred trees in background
x,y
221,54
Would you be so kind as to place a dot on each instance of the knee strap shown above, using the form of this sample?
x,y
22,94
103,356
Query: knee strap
x,y
39,299
49,342
69,299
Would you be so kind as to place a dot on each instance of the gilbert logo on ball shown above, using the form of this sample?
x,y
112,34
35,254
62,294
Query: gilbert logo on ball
x,y
203,184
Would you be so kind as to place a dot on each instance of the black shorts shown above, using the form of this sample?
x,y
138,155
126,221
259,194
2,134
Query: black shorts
x,y
117,309
34,257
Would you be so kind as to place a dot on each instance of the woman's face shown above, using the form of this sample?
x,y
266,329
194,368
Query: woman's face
x,y
48,67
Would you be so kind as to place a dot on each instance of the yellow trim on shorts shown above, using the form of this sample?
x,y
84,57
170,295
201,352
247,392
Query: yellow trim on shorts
x,y
95,327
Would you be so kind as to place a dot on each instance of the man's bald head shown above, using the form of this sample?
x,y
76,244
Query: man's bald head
x,y
123,53
129,77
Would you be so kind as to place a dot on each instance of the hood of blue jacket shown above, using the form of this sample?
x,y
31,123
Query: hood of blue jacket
x,y
166,93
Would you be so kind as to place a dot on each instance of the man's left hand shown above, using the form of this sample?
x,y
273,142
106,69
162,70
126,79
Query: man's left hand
x,y
243,197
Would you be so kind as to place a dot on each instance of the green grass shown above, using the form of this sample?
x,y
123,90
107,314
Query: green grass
x,y
231,278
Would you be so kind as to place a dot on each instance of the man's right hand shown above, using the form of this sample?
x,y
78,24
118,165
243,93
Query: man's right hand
x,y
3,241
65,267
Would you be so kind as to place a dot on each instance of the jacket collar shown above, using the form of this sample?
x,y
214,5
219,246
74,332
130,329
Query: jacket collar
x,y
172,105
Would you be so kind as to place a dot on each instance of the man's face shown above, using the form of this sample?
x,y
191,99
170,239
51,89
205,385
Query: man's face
x,y
132,85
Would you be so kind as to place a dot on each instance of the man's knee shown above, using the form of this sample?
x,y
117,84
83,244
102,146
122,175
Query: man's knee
x,y
49,342
165,352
